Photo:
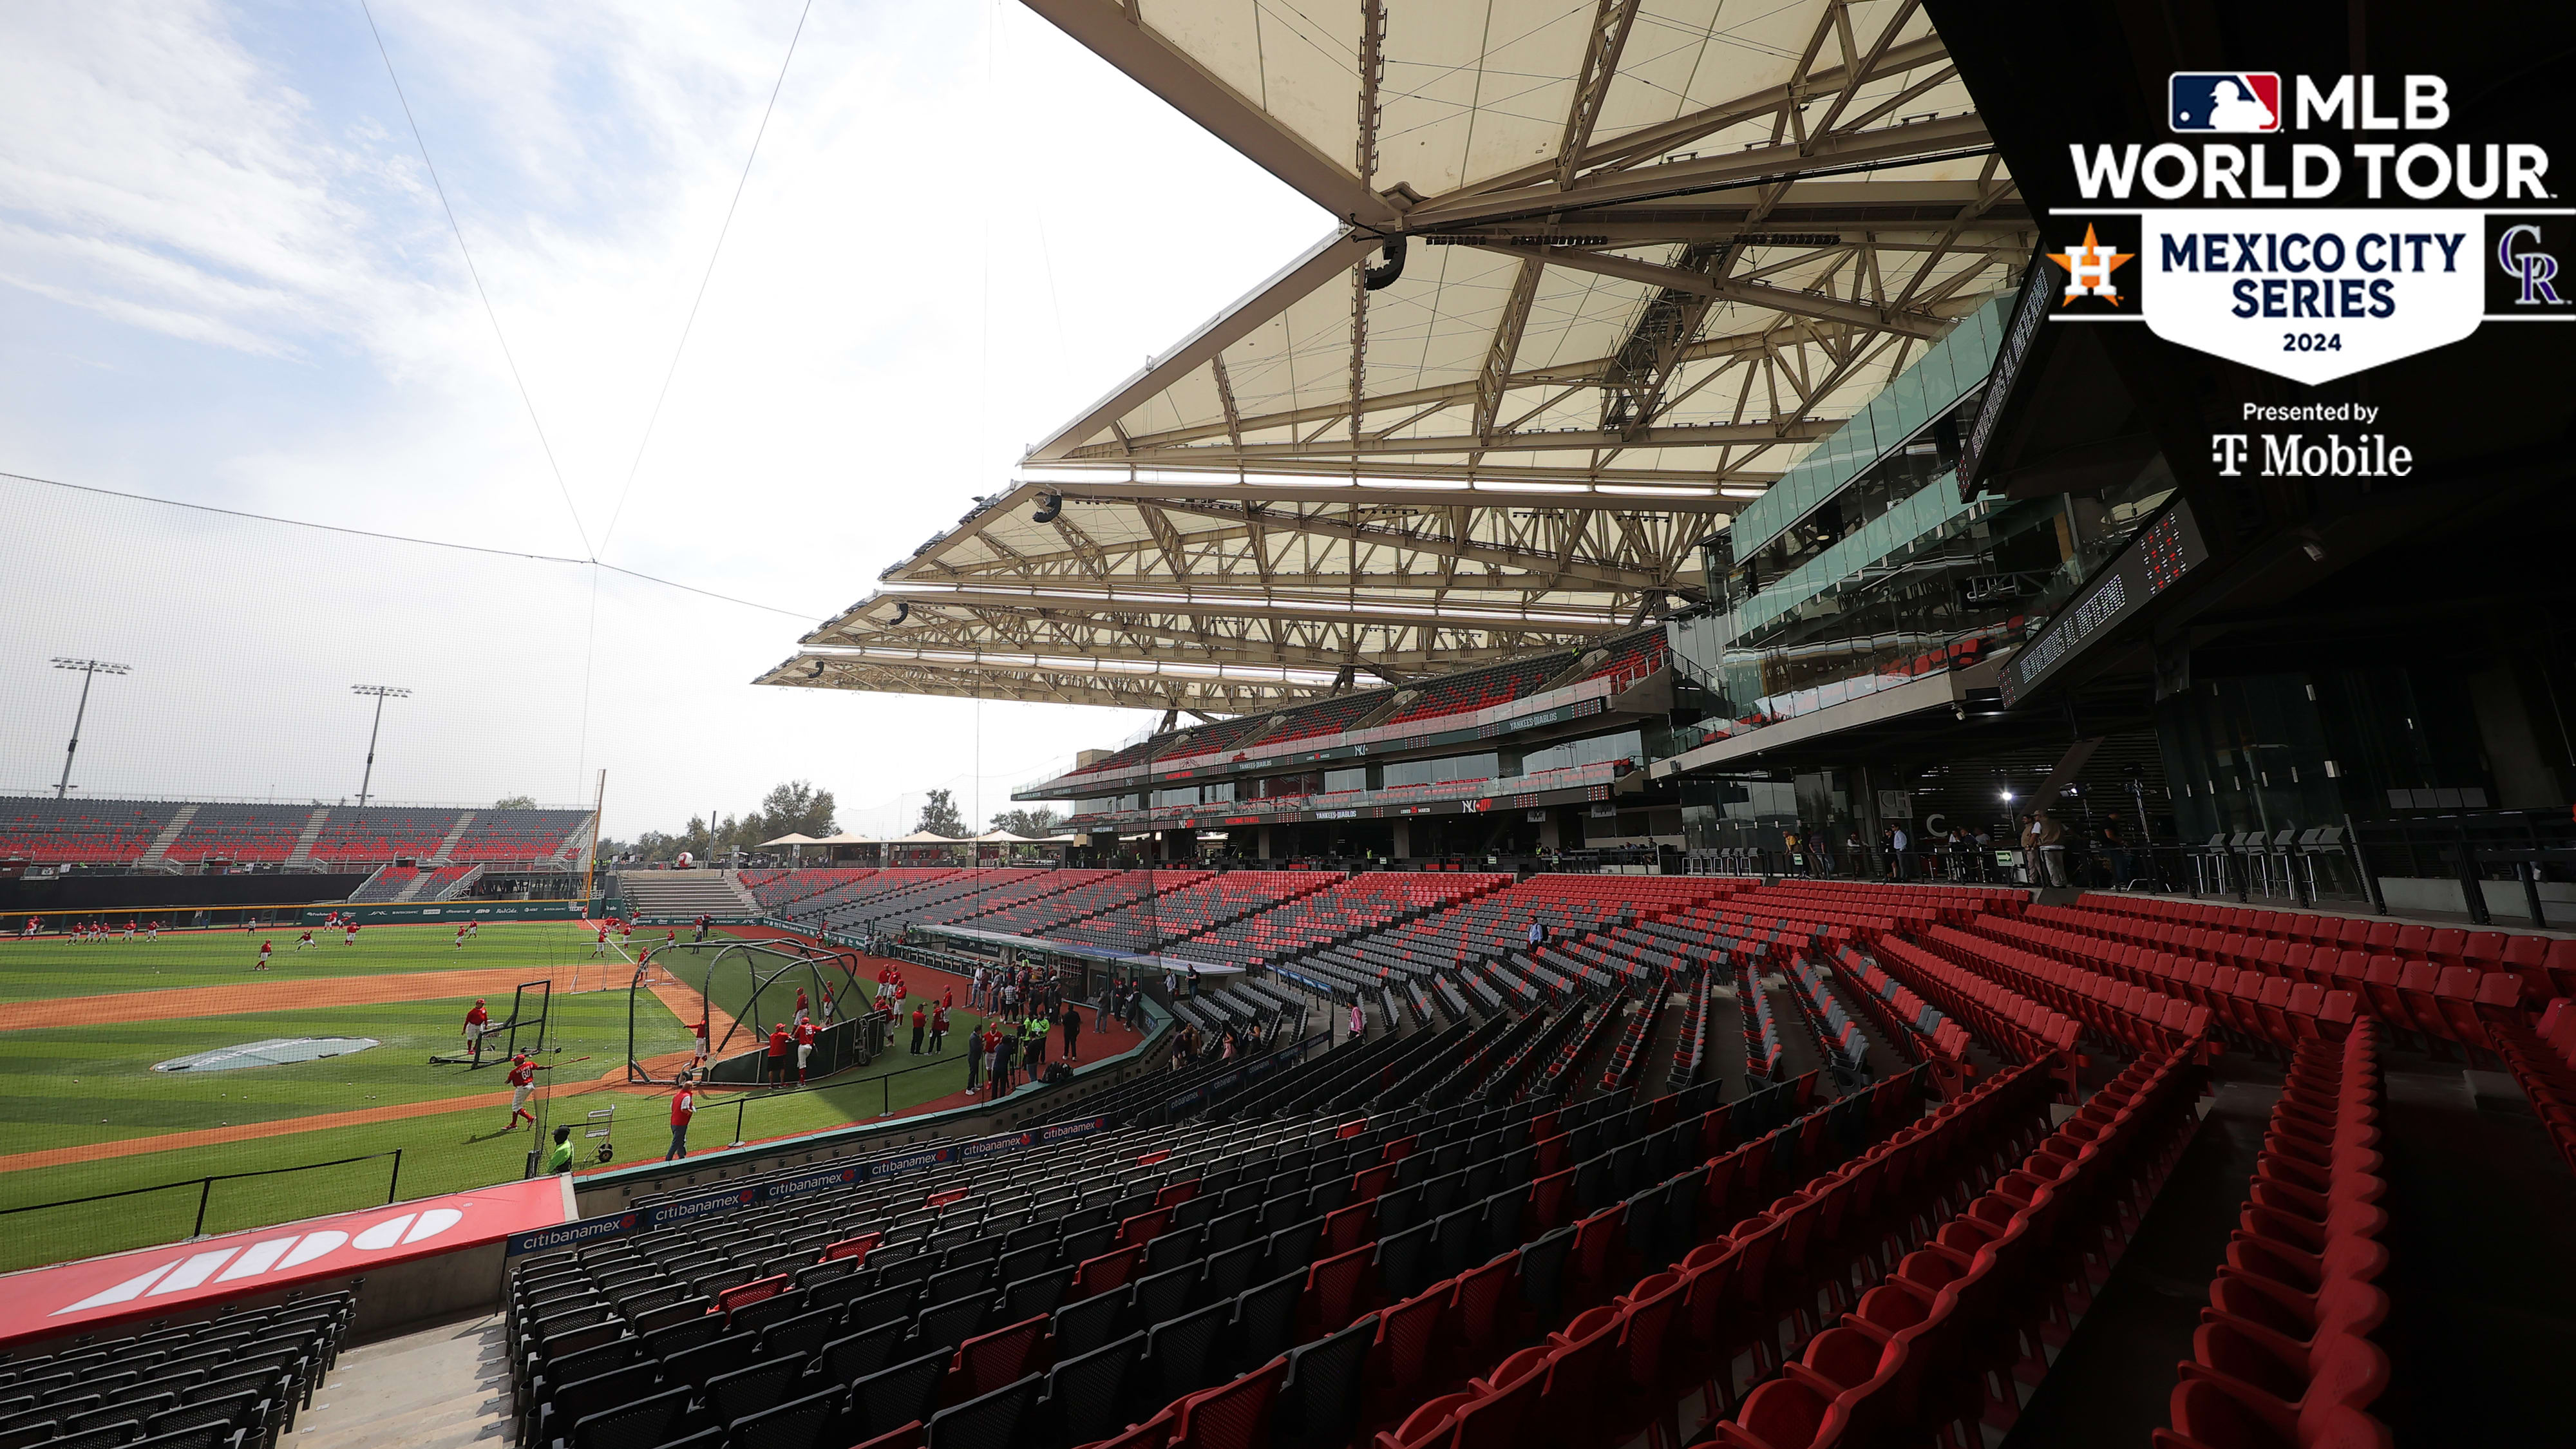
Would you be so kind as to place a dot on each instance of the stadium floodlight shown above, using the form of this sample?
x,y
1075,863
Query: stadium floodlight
x,y
381,693
90,669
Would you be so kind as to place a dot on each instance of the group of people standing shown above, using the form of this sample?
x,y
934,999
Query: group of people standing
x,y
1027,1009
1191,1045
1010,1051
1010,990
1964,853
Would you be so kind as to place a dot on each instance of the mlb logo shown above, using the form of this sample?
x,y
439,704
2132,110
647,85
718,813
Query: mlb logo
x,y
2224,100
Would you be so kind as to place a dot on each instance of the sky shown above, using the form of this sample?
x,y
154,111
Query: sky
x,y
227,279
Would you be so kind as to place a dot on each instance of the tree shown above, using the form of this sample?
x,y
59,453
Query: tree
x,y
515,802
939,816
795,808
1036,824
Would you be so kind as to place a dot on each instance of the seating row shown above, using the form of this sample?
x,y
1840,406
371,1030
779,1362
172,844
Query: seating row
x,y
1690,1048
2012,1023
1916,1026
1545,1294
235,1381
2543,1061
2137,1018
1834,1032
1764,1052
2261,1010
2545,965
2282,1355
1940,1345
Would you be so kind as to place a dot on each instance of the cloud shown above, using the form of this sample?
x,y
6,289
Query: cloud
x,y
960,229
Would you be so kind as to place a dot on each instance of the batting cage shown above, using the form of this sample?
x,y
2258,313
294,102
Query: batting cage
x,y
762,1012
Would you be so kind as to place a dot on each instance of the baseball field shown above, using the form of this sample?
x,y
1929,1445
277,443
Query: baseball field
x,y
90,1102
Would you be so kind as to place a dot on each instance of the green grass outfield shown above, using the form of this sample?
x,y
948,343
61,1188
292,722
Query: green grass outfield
x,y
73,1086
52,966
448,1152
65,1086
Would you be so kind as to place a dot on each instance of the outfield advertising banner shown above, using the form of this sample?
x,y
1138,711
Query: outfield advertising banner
x,y
449,912
760,1194
157,1282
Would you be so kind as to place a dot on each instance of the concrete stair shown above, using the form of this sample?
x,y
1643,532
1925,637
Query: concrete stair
x,y
455,833
439,1388
687,893
1657,1067
419,889
158,851
302,855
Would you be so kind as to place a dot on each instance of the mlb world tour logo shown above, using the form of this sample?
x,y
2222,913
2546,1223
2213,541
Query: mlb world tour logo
x,y
2452,234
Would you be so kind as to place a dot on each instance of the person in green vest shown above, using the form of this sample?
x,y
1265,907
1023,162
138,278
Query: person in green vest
x,y
559,1156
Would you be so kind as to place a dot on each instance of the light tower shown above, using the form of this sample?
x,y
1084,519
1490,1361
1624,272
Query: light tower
x,y
381,693
90,669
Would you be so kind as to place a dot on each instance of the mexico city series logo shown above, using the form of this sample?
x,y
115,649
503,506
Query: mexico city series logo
x,y
2310,227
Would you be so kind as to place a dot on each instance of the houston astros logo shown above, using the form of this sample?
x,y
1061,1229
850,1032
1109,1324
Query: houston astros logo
x,y
2089,268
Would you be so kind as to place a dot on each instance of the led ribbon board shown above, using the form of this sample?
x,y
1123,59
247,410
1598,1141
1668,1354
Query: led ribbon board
x,y
2161,553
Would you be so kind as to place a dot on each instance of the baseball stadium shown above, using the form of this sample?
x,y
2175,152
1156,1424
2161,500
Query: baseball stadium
x,y
1807,726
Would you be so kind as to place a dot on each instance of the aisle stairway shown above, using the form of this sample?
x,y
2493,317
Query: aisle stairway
x,y
303,853
157,853
440,1388
455,833
687,893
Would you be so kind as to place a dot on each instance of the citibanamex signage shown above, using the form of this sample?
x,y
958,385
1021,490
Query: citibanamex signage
x,y
2311,227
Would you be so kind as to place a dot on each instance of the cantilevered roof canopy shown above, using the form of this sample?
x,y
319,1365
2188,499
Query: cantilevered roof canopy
x,y
1600,271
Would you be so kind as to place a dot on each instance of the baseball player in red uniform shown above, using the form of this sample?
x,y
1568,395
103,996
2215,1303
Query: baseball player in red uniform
x,y
805,1034
264,949
698,1045
778,1055
599,943
523,1082
477,1022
